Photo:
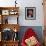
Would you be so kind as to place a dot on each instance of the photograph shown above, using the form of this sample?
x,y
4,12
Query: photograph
x,y
30,13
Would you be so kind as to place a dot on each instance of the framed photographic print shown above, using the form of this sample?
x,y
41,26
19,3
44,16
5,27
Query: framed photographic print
x,y
30,13
5,12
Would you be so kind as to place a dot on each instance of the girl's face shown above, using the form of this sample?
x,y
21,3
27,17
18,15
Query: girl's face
x,y
30,12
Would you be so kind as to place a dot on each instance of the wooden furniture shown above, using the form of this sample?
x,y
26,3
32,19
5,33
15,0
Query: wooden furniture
x,y
11,26
10,43
45,36
9,20
44,8
0,43
6,12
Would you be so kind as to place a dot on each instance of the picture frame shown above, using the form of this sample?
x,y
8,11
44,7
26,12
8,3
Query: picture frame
x,y
5,12
30,13
10,19
0,36
13,12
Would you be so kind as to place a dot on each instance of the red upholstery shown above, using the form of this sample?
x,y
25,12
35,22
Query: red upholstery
x,y
29,33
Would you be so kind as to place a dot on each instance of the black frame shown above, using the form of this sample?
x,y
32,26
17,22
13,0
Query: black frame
x,y
33,16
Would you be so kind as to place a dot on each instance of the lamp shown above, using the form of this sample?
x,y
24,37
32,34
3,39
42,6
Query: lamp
x,y
15,30
15,3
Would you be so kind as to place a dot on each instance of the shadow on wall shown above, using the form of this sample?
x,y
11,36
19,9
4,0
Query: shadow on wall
x,y
37,29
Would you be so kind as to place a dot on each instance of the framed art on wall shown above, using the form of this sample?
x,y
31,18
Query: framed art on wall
x,y
5,12
30,13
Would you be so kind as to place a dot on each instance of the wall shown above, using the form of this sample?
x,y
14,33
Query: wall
x,y
39,13
24,3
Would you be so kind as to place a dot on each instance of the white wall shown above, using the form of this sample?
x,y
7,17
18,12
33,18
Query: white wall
x,y
27,3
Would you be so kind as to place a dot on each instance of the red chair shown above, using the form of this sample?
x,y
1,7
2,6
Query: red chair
x,y
29,33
